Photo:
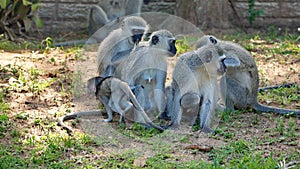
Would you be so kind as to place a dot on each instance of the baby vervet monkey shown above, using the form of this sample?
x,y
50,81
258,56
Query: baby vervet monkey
x,y
194,85
117,97
239,87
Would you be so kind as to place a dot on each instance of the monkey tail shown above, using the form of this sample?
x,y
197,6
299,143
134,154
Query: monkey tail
x,y
137,106
71,43
71,116
289,85
268,109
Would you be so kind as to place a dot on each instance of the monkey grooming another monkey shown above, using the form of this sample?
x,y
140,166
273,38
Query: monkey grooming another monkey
x,y
118,97
194,85
147,66
119,43
240,85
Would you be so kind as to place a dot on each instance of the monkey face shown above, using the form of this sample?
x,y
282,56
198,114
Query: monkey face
x,y
137,35
164,43
172,48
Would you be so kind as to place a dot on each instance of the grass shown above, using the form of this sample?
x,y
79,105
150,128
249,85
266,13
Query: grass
x,y
31,99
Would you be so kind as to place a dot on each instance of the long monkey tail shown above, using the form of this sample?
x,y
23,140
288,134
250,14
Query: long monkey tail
x,y
137,106
268,109
71,116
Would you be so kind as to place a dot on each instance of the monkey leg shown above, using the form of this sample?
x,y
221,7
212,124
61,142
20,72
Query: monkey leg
x,y
176,113
167,113
236,95
105,102
205,116
128,106
159,98
190,105
139,94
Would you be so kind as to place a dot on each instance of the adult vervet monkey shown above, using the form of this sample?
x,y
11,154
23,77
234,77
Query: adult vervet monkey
x,y
107,15
240,85
194,85
108,10
117,97
147,66
119,43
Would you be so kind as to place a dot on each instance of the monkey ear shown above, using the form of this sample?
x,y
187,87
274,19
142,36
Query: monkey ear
x,y
155,40
213,40
93,84
231,61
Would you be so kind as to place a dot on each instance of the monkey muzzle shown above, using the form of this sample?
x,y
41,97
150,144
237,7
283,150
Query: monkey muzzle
x,y
137,38
223,66
173,48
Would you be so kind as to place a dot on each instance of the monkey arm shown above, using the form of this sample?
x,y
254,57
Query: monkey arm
x,y
159,95
117,57
205,116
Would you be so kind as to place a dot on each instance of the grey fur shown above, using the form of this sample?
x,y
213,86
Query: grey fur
x,y
241,82
118,44
107,15
117,97
194,84
147,66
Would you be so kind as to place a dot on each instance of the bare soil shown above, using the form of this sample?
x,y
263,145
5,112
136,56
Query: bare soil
x,y
54,102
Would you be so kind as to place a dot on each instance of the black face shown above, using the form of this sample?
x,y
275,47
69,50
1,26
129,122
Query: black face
x,y
137,35
222,67
137,38
154,40
172,49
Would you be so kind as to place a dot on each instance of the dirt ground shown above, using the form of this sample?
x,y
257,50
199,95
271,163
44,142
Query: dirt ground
x,y
54,102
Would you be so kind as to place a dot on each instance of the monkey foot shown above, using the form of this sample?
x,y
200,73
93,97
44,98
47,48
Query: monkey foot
x,y
208,130
173,126
107,120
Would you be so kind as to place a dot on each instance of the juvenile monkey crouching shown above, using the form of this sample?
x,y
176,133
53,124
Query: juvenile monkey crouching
x,y
194,84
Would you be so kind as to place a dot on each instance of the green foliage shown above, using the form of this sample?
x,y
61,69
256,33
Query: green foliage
x,y
182,45
17,17
252,12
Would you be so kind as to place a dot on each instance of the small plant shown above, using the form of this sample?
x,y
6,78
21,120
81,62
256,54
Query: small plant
x,y
17,17
252,12
280,125
182,45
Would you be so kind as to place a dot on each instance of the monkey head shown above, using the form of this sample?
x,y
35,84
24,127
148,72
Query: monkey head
x,y
164,40
94,84
135,27
205,40
215,61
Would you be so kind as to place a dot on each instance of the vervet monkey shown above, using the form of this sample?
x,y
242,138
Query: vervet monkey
x,y
194,85
117,97
240,85
119,43
107,15
108,10
147,66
